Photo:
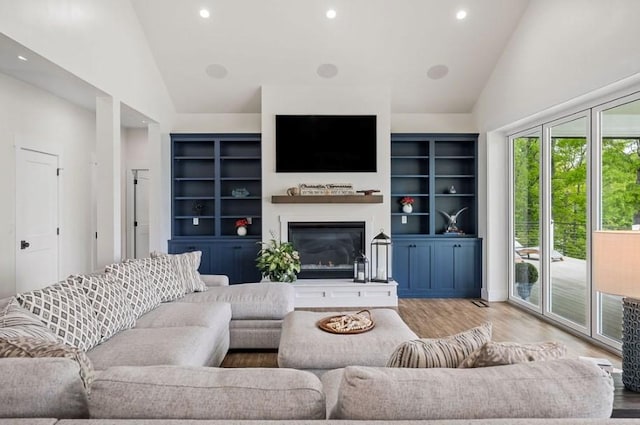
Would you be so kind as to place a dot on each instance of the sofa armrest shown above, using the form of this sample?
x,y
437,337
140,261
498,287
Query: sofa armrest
x,y
215,279
45,387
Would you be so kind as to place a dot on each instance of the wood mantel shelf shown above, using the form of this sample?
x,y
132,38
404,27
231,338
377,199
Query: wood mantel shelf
x,y
327,199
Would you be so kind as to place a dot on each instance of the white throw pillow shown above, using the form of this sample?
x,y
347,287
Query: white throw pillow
x,y
138,289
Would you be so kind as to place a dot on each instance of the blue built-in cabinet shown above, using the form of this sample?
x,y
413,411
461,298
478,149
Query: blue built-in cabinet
x,y
216,180
439,171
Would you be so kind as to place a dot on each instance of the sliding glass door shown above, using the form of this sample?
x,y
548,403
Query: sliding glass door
x,y
526,287
569,177
566,221
619,200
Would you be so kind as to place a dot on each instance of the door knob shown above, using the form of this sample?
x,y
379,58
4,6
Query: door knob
x,y
24,244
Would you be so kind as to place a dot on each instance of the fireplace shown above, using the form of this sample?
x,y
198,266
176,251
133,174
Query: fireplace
x,y
327,249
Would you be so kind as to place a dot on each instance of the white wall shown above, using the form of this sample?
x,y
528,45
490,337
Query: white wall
x,y
102,43
36,119
325,100
560,52
433,123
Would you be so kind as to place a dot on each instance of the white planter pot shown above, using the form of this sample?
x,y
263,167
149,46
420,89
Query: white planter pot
x,y
408,208
242,231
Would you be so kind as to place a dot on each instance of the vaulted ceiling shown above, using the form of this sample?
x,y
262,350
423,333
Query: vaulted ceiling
x,y
431,61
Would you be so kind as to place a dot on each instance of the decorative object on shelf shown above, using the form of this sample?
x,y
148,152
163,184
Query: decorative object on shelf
x,y
407,204
361,268
353,323
293,191
240,192
368,192
241,226
198,208
325,189
526,274
278,261
615,271
380,258
452,189
452,226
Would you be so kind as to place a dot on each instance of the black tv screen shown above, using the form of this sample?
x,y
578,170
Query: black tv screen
x,y
325,143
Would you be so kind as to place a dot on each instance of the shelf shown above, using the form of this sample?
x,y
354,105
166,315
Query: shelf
x,y
327,199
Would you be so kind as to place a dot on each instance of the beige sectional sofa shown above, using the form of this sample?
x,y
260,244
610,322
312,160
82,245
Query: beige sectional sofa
x,y
162,370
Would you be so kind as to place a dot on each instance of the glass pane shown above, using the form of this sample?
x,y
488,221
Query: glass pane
x,y
526,218
568,227
620,193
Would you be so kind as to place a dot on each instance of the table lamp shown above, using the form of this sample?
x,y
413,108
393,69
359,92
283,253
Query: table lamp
x,y
616,271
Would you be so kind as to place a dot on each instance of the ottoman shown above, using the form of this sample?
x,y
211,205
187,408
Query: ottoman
x,y
304,346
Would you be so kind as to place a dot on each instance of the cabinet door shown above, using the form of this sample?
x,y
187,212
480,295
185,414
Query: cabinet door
x,y
237,260
457,268
189,246
412,268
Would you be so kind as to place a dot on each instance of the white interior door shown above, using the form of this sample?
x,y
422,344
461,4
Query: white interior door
x,y
141,213
36,220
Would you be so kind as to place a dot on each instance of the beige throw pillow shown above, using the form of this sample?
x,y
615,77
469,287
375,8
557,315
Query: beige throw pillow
x,y
504,353
443,352
33,347
16,321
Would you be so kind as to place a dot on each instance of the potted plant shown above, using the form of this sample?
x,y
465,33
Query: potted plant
x,y
526,274
407,204
278,261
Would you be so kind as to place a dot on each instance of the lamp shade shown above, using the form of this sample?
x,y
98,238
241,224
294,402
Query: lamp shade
x,y
616,262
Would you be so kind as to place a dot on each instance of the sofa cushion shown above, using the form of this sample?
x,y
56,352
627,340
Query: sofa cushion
x,y
138,289
551,389
251,300
16,321
503,353
42,388
185,346
33,347
164,277
110,304
186,266
440,352
169,392
177,314
67,311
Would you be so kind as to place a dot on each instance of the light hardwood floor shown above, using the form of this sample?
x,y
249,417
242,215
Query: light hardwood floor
x,y
433,318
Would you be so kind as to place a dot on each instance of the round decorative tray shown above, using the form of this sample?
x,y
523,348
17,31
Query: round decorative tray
x,y
354,323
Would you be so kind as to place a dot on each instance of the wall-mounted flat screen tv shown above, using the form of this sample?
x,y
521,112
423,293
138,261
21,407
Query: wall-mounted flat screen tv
x,y
325,143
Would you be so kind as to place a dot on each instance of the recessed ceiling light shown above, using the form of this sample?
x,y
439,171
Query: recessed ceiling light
x,y
22,58
327,70
437,71
215,70
331,13
461,14
204,13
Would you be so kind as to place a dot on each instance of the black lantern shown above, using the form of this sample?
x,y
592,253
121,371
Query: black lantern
x,y
381,258
361,269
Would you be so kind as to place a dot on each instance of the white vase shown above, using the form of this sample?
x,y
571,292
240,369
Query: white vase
x,y
242,231
407,208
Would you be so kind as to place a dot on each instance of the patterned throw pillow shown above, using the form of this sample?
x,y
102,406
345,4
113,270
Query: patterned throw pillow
x,y
164,277
186,266
137,286
443,352
16,321
33,347
67,311
110,304
503,353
